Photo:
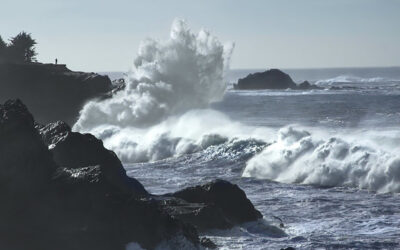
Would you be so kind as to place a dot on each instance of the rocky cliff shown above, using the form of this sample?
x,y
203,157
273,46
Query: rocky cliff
x,y
52,92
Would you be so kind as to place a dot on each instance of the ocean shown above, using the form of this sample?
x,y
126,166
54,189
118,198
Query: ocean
x,y
321,165
325,162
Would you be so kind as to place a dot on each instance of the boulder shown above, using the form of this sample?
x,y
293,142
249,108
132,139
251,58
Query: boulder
x,y
220,204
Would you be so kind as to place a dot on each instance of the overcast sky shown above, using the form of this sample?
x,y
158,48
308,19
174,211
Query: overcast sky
x,y
95,35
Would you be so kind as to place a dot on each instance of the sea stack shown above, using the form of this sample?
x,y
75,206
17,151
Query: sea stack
x,y
270,79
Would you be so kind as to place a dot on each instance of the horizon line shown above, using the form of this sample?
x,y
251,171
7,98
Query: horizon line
x,y
283,68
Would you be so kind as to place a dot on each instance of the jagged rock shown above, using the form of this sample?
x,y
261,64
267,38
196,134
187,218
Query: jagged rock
x,y
25,162
71,207
63,190
75,150
52,92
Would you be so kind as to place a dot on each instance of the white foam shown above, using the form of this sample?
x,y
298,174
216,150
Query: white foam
x,y
178,135
298,156
146,120
168,78
352,79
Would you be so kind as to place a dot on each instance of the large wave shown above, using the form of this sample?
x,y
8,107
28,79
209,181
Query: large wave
x,y
145,121
167,78
301,157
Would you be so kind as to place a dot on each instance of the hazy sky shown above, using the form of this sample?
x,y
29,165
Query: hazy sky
x,y
95,35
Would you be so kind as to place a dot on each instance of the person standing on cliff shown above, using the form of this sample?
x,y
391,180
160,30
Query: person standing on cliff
x,y
56,61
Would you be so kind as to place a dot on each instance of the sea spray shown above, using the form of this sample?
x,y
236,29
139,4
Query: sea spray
x,y
168,79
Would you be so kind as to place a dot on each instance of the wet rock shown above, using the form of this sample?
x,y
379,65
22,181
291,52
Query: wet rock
x,y
206,242
223,205
75,150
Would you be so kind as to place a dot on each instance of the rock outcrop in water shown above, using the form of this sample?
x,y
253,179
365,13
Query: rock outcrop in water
x,y
52,92
271,79
224,201
63,190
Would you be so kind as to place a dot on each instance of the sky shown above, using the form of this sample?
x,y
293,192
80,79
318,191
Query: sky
x,y
96,35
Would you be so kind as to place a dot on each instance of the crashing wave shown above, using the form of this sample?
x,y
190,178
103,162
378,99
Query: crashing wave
x,y
191,132
168,78
298,157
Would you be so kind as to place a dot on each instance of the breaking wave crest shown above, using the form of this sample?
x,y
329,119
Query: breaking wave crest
x,y
300,157
194,131
345,79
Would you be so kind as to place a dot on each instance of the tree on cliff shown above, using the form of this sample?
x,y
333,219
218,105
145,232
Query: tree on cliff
x,y
22,48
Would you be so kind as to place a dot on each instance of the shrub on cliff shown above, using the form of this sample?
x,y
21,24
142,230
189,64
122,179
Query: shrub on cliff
x,y
21,49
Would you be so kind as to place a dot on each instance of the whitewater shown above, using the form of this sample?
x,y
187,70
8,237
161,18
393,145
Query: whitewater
x,y
324,163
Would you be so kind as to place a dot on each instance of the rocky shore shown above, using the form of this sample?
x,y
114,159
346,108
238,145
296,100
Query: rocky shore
x,y
64,190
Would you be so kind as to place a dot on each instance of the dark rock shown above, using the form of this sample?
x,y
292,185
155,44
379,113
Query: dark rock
x,y
63,190
202,216
71,207
306,85
75,150
206,242
270,79
225,204
51,91
25,162
90,204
